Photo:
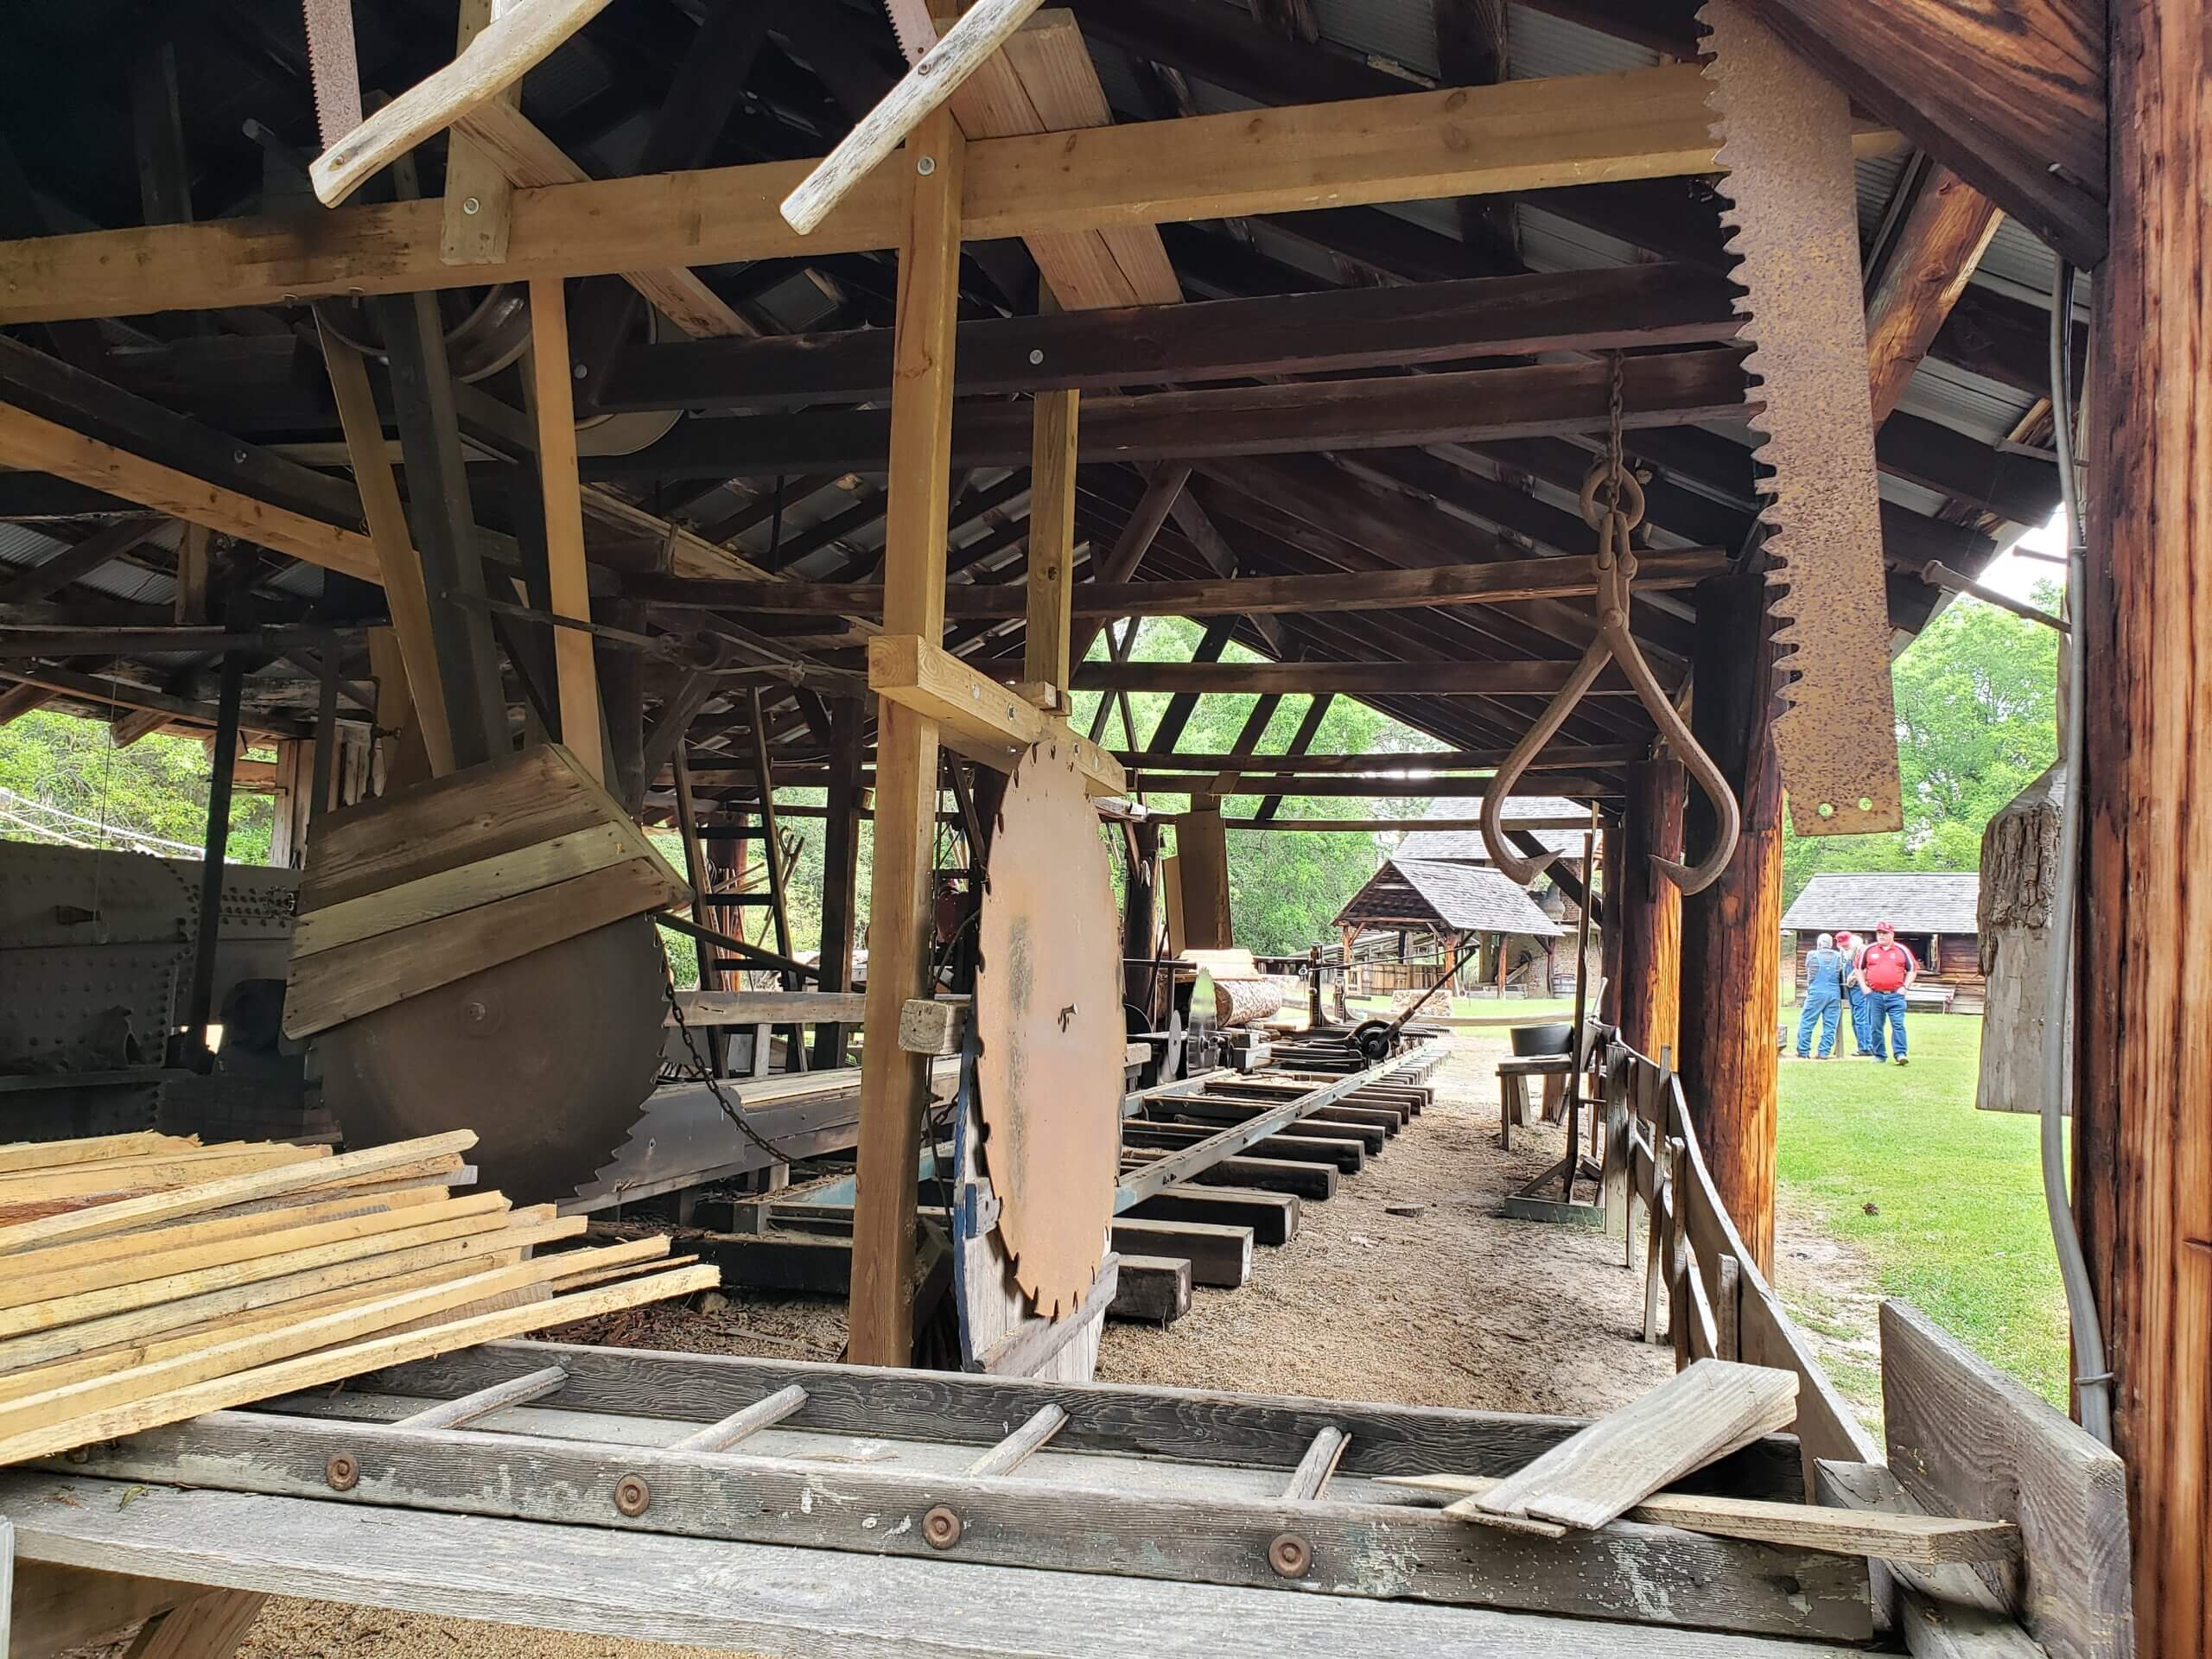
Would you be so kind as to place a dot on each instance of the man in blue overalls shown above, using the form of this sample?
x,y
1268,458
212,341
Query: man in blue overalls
x,y
1824,971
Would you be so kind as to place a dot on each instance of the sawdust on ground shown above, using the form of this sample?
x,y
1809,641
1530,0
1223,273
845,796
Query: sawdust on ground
x,y
1406,1286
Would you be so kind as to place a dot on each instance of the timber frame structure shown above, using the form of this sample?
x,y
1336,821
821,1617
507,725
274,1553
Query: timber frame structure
x,y
1198,310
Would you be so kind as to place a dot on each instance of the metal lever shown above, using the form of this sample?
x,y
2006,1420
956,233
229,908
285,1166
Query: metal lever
x,y
1616,571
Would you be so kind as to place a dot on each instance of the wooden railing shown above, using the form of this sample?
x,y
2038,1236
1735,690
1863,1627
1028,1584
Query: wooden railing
x,y
1718,1305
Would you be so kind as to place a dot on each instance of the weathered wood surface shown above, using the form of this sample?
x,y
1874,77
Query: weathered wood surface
x,y
1273,1216
1964,1439
1696,1415
1239,1430
768,1599
2143,1009
1924,1539
1651,1575
1650,920
1943,1613
1151,1290
1731,932
2019,864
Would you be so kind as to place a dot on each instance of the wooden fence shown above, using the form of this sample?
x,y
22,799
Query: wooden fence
x,y
1718,1305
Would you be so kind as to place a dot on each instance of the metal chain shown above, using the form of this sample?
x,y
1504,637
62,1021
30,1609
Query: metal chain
x,y
701,1071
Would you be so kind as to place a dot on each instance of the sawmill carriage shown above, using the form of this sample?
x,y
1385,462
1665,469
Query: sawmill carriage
x,y
611,414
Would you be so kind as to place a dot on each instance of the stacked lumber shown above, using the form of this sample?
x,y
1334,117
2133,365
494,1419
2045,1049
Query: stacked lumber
x,y
145,1279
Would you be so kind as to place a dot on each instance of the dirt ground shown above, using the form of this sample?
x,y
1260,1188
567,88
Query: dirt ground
x,y
1405,1287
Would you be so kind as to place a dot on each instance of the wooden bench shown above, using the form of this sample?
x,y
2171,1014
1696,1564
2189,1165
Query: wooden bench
x,y
1931,999
1513,1089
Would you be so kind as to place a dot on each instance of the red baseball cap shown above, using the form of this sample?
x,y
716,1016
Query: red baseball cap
x,y
1885,927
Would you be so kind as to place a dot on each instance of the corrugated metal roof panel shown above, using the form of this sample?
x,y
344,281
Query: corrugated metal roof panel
x,y
26,544
1539,44
1550,243
1403,31
1942,391
1877,177
2014,256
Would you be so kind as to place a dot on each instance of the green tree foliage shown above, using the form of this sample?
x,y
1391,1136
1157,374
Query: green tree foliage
x,y
158,787
1285,888
1976,701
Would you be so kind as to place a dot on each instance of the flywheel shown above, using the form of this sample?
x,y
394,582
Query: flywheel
x,y
1048,1026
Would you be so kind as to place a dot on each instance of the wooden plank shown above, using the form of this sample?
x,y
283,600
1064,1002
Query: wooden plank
x,y
333,1364
1316,1182
935,77
339,985
1966,1439
1382,678
1344,1153
139,1174
771,1007
398,566
894,1085
56,1608
1704,1412
567,588
1921,1539
1272,1217
97,1149
31,441
1521,135
237,1189
975,715
206,1627
676,1590
448,893
1944,1612
1048,585
478,197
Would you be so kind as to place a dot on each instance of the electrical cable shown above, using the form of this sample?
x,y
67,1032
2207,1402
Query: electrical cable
x,y
2093,1378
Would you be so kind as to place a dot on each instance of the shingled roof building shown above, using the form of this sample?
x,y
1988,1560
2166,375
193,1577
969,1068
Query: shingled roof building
x,y
1934,912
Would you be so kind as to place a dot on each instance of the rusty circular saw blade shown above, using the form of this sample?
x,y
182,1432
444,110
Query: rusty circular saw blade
x,y
1048,1027
548,1058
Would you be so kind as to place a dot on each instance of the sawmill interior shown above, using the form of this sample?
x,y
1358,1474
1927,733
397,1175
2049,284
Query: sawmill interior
x,y
558,447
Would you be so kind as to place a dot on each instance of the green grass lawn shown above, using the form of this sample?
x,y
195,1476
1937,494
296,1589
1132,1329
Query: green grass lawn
x,y
1959,1228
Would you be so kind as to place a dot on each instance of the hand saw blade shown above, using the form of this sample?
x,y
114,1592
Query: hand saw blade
x,y
912,23
1784,134
334,69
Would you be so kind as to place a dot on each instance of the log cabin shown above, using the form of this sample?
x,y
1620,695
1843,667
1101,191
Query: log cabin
x,y
1936,914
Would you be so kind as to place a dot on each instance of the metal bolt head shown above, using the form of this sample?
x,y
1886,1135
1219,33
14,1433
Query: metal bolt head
x,y
1036,354
632,1496
925,165
470,205
343,1472
941,1527
580,371
1290,1555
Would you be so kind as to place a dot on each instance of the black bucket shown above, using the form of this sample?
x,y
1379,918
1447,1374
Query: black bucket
x,y
1532,1042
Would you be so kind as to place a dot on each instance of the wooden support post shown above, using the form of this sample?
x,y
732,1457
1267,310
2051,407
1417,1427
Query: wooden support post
x,y
841,843
1051,543
1141,915
421,683
1651,921
574,673
200,1004
1202,856
194,548
207,1627
1731,932
894,1085
2142,1017
1612,844
478,195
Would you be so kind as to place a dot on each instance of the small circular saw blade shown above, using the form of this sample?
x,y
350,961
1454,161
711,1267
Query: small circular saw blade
x,y
548,1058
1049,1032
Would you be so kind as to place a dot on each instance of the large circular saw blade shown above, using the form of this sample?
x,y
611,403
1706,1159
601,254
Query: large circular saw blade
x,y
1048,1026
549,1058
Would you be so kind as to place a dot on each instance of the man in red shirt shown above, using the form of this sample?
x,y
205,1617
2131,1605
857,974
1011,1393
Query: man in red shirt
x,y
1887,970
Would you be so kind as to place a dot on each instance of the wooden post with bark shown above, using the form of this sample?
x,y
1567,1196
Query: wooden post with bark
x,y
1731,932
2143,1010
1650,922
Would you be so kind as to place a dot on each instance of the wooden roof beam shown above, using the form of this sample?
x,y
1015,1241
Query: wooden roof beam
x,y
1523,135
1428,679
1944,234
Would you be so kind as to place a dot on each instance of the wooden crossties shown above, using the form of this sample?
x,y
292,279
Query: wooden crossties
x,y
894,1085
1521,135
2142,1051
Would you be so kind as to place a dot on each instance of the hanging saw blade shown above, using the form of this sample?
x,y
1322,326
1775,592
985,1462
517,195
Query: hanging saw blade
x,y
1785,142
334,67
912,23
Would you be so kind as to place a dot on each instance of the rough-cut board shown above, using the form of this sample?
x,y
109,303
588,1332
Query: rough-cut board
x,y
765,1598
1703,1412
479,869
1922,1539
1966,1439
1786,144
